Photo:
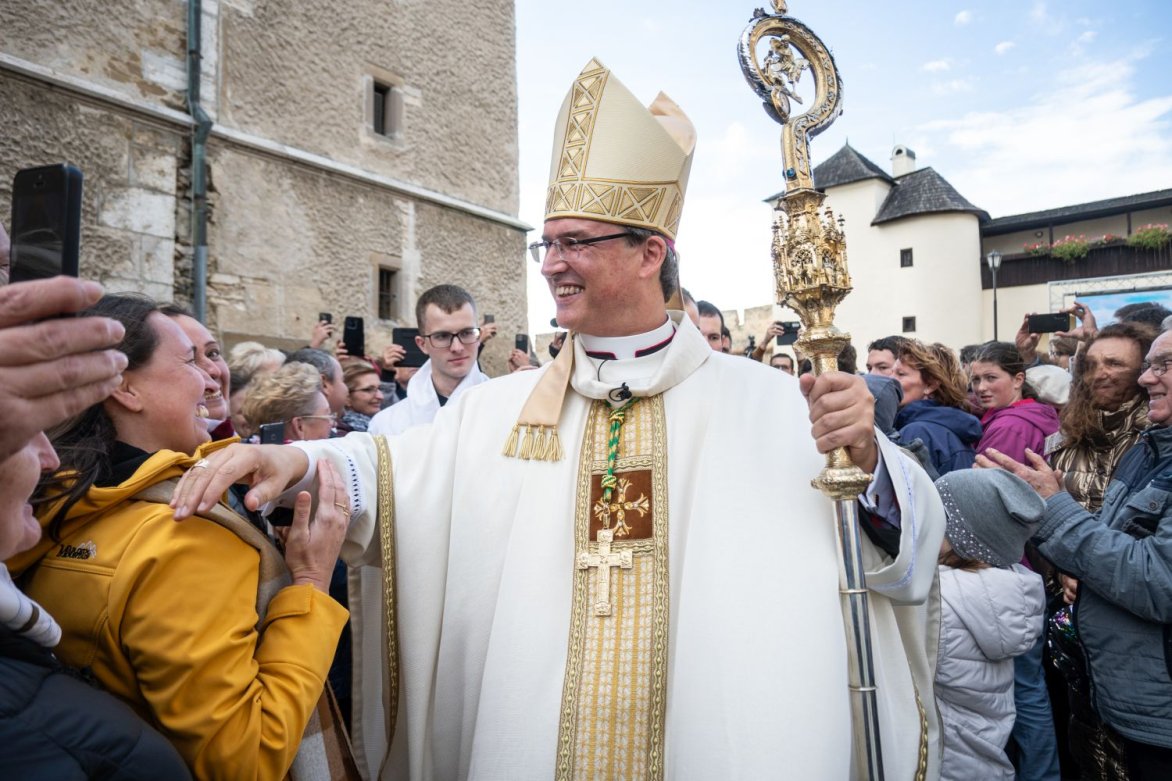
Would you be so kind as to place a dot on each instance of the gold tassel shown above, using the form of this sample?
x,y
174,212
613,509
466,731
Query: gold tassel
x,y
553,446
510,450
527,445
539,444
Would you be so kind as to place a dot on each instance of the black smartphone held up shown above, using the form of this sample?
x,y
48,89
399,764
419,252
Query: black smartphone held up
x,y
790,333
272,434
354,336
489,319
413,357
1049,323
325,317
522,343
46,222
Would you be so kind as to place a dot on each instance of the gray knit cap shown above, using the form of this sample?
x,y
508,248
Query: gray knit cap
x,y
991,514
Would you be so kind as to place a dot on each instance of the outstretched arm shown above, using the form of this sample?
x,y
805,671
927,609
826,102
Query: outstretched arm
x,y
269,469
1133,573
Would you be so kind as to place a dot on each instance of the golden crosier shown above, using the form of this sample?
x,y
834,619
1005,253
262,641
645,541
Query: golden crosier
x,y
809,263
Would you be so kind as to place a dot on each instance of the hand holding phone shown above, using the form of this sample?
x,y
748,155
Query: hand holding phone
x,y
522,343
413,356
46,222
1050,322
789,332
354,336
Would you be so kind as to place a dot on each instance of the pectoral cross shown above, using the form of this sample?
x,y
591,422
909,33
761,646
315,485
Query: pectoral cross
x,y
604,560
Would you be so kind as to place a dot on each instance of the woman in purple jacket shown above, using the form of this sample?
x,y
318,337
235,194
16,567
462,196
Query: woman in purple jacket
x,y
1013,418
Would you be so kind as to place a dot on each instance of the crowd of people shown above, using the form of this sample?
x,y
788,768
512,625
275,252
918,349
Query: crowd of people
x,y
387,597
1088,419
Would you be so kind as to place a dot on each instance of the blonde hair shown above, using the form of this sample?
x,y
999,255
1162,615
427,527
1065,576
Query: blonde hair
x,y
248,358
283,395
353,368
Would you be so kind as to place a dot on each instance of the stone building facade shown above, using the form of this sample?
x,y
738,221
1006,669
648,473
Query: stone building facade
x,y
360,153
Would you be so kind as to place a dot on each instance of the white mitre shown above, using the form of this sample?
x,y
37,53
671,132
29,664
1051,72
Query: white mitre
x,y
615,160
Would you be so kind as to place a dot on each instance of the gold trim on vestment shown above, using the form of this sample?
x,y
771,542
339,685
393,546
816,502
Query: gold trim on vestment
x,y
651,445
386,533
922,764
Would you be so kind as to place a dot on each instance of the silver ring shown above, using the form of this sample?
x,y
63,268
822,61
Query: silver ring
x,y
200,464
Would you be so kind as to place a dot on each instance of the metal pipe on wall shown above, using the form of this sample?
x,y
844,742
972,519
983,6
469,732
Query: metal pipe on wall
x,y
199,136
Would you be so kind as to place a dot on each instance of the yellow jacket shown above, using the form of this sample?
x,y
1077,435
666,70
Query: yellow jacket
x,y
165,615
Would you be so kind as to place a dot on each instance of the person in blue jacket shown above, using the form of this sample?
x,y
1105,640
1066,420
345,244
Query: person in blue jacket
x,y
932,410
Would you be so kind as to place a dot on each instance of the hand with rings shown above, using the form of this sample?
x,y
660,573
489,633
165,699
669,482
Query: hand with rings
x,y
200,464
311,548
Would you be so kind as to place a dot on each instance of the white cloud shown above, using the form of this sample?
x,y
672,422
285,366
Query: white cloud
x,y
1035,156
1038,12
963,18
1004,47
1079,44
952,86
936,66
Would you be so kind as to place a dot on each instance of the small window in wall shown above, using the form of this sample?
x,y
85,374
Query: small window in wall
x,y
387,295
905,258
909,325
387,109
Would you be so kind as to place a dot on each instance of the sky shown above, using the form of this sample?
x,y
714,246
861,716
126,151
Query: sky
x,y
1020,105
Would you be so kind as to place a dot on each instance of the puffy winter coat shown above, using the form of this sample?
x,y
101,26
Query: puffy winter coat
x,y
948,433
987,617
56,727
1012,429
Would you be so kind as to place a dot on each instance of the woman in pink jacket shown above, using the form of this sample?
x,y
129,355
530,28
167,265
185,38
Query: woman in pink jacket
x,y
1013,418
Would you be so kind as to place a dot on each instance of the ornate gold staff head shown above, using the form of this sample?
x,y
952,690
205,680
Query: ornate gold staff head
x,y
809,250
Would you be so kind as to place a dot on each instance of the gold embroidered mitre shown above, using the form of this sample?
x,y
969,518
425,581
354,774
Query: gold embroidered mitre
x,y
615,160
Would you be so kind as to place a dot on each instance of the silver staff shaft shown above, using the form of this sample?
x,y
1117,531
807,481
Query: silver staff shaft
x,y
868,752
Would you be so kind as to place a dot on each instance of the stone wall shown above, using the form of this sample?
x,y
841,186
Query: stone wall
x,y
129,206
288,236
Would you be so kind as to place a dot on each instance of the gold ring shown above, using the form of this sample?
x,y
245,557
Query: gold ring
x,y
343,507
200,464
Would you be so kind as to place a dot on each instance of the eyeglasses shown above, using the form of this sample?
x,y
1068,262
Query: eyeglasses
x,y
1158,368
539,249
331,418
443,339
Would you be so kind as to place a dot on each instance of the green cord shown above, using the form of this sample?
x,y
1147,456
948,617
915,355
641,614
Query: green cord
x,y
609,481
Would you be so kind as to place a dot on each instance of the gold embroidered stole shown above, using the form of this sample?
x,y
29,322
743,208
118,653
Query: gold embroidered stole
x,y
614,697
386,532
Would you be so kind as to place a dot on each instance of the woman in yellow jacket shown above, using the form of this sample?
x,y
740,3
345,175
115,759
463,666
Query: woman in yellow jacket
x,y
199,626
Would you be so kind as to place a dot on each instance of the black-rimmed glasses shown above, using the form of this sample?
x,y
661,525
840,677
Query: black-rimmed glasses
x,y
539,249
1158,368
443,339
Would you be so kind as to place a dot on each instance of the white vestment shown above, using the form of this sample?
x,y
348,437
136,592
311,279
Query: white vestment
x,y
368,719
422,402
757,661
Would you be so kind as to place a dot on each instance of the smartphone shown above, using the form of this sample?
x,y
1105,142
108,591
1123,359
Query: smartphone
x,y
354,336
46,222
1049,323
413,356
790,334
522,343
272,434
325,317
489,319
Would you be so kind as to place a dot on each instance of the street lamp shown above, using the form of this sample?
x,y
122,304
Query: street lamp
x,y
993,259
